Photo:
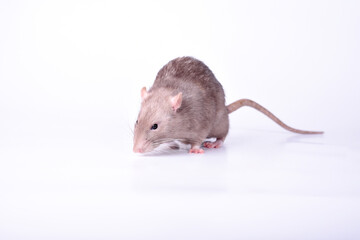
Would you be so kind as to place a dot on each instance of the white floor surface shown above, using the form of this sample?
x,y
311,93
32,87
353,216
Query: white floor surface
x,y
260,185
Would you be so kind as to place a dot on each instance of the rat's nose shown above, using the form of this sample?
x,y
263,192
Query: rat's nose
x,y
138,150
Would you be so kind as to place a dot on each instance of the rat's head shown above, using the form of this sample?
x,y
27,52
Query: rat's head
x,y
156,121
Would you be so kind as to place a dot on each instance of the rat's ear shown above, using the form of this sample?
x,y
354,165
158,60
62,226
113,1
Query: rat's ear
x,y
144,93
176,101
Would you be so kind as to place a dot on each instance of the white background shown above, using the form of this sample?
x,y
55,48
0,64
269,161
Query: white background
x,y
70,80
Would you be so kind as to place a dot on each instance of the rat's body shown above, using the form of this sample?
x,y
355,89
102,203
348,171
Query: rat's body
x,y
187,103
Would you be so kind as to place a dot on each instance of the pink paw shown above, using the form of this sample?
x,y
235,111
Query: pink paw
x,y
216,144
196,150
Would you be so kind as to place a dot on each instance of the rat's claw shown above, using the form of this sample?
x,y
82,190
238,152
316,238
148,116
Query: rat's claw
x,y
196,150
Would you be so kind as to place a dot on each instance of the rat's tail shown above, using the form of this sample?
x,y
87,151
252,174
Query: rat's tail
x,y
247,102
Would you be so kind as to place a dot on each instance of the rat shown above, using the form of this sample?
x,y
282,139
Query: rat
x,y
187,103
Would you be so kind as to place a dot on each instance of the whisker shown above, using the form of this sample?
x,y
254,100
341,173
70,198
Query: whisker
x,y
131,130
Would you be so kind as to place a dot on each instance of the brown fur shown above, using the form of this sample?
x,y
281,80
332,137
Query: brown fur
x,y
201,115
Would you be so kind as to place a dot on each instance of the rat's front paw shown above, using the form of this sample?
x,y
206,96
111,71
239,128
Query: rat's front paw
x,y
196,150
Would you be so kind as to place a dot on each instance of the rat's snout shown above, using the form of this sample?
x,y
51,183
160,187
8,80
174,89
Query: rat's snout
x,y
138,149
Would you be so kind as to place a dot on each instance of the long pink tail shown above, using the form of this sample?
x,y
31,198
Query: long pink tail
x,y
247,102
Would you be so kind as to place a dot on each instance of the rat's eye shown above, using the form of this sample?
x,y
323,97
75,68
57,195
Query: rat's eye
x,y
136,122
154,127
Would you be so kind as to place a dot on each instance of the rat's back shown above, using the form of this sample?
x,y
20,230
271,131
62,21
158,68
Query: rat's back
x,y
188,74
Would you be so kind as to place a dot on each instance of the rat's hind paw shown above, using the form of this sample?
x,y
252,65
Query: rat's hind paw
x,y
216,144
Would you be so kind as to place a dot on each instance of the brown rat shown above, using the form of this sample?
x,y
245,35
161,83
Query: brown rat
x,y
187,103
